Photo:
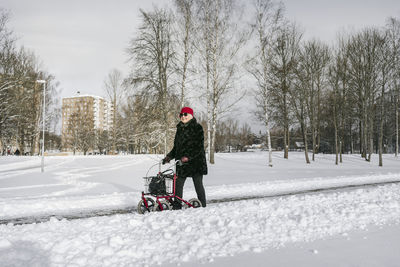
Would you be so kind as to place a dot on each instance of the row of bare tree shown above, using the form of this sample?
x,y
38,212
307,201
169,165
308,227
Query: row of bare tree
x,y
21,96
349,90
308,84
204,53
364,82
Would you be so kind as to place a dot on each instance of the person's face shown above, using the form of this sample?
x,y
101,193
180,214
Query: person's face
x,y
185,117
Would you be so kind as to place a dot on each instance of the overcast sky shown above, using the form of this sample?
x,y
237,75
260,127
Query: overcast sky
x,y
80,41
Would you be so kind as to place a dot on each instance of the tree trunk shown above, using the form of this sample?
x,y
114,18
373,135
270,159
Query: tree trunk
x,y
208,96
303,130
268,135
286,129
351,139
336,139
361,137
185,64
397,125
312,119
22,142
365,142
213,132
314,142
380,143
381,127
318,119
371,140
335,124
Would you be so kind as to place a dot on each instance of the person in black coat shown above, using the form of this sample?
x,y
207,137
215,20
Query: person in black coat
x,y
189,148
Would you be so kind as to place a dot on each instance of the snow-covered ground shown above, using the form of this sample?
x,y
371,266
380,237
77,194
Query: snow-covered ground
x,y
356,226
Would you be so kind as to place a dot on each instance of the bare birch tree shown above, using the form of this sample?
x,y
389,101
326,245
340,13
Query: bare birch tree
x,y
286,49
185,35
222,40
152,56
267,19
203,20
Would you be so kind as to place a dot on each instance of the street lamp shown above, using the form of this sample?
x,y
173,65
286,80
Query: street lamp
x,y
44,110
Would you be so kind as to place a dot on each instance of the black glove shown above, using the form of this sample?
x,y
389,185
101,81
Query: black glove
x,y
166,160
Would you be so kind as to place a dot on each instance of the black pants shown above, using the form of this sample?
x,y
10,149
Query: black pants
x,y
198,185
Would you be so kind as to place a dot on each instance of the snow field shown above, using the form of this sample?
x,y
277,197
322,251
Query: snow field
x,y
199,235
234,233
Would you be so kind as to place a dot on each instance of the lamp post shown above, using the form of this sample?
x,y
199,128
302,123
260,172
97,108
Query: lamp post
x,y
44,110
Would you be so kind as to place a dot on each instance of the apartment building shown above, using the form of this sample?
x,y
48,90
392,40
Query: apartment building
x,y
84,111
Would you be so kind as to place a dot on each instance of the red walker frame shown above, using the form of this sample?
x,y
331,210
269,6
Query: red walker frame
x,y
169,197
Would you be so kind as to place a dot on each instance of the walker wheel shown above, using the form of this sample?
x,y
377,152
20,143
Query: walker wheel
x,y
141,207
195,202
164,204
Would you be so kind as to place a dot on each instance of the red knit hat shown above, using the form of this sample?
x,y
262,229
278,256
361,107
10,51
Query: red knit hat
x,y
187,110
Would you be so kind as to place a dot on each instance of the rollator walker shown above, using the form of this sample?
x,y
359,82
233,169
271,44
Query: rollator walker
x,y
159,191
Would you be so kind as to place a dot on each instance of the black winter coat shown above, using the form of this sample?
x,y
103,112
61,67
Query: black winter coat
x,y
189,142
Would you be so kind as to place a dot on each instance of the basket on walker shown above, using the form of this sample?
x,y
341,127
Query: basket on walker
x,y
159,185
